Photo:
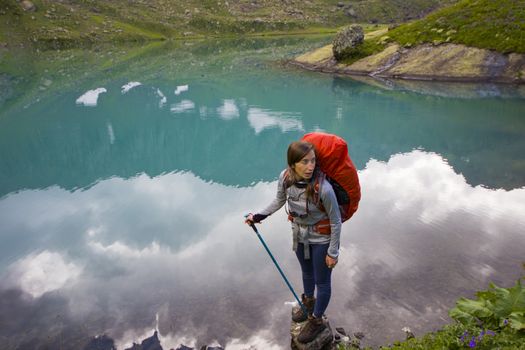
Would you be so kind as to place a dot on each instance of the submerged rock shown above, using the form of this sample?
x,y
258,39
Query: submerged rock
x,y
346,41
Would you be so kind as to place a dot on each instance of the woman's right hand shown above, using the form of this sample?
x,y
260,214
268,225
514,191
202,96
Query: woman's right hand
x,y
249,219
254,218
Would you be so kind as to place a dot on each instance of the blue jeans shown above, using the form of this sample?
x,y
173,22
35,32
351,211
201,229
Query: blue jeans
x,y
316,274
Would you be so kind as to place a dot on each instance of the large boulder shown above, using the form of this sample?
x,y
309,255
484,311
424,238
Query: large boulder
x,y
347,41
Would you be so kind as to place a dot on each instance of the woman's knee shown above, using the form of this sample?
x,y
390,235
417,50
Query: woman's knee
x,y
324,288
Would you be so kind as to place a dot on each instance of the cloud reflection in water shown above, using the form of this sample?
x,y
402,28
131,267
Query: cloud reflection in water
x,y
261,119
175,246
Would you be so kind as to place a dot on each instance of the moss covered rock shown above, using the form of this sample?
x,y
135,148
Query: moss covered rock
x,y
347,41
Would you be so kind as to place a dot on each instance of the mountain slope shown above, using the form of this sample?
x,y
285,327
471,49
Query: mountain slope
x,y
64,23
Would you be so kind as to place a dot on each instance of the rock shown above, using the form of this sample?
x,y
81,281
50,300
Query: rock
x,y
28,6
323,341
100,343
350,12
346,41
151,343
341,330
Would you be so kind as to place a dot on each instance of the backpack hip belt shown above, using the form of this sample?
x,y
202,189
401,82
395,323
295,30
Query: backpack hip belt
x,y
322,227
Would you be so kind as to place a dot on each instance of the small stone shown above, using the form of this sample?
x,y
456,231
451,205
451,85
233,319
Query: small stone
x,y
28,6
341,330
359,335
350,12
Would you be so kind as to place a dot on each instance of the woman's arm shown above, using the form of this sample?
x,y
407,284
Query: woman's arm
x,y
280,197
334,215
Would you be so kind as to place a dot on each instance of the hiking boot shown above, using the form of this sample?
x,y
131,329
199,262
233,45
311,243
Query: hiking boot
x,y
299,315
311,329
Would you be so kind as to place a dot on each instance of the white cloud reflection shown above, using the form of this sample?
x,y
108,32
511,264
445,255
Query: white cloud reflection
x,y
183,106
37,274
163,98
90,97
180,89
228,110
261,119
126,87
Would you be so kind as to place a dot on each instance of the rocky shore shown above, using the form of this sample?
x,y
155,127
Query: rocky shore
x,y
444,62
328,339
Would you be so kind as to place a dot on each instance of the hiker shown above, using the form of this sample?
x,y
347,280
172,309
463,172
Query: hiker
x,y
313,209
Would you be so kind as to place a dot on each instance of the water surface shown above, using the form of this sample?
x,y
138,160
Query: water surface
x,y
122,214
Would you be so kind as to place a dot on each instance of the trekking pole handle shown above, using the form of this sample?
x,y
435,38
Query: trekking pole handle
x,y
252,225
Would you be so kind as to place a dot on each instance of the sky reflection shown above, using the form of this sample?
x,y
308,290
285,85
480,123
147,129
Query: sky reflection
x,y
124,257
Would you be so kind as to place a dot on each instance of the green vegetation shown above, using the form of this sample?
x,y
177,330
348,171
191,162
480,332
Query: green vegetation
x,y
487,24
78,23
367,48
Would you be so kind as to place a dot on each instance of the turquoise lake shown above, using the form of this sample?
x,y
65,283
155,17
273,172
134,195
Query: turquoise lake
x,y
125,174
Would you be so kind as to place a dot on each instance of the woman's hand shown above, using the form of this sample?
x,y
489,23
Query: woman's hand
x,y
254,218
249,219
330,262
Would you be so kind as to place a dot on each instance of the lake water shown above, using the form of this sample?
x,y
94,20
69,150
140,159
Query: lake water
x,y
125,174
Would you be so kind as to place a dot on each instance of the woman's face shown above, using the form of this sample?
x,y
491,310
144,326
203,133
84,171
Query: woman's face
x,y
305,167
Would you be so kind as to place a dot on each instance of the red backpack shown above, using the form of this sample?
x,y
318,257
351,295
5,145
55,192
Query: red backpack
x,y
334,161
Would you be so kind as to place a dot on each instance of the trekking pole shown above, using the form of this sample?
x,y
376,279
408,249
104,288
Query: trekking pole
x,y
278,267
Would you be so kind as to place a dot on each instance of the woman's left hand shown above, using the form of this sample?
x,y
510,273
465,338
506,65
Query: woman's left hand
x,y
330,262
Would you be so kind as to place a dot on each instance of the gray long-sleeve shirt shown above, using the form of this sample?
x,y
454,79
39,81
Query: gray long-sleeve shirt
x,y
303,226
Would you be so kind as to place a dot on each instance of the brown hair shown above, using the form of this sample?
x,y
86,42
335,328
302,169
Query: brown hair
x,y
297,150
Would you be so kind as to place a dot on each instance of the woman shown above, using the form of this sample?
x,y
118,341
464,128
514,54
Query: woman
x,y
310,201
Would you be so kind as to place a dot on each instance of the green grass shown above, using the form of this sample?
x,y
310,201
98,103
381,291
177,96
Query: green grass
x,y
457,336
77,23
497,25
369,47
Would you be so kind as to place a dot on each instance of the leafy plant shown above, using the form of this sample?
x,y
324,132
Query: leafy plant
x,y
494,308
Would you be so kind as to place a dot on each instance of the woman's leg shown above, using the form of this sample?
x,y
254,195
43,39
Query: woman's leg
x,y
307,269
322,277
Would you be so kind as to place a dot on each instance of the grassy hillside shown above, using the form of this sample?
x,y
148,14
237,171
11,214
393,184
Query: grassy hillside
x,y
68,23
487,24
484,24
